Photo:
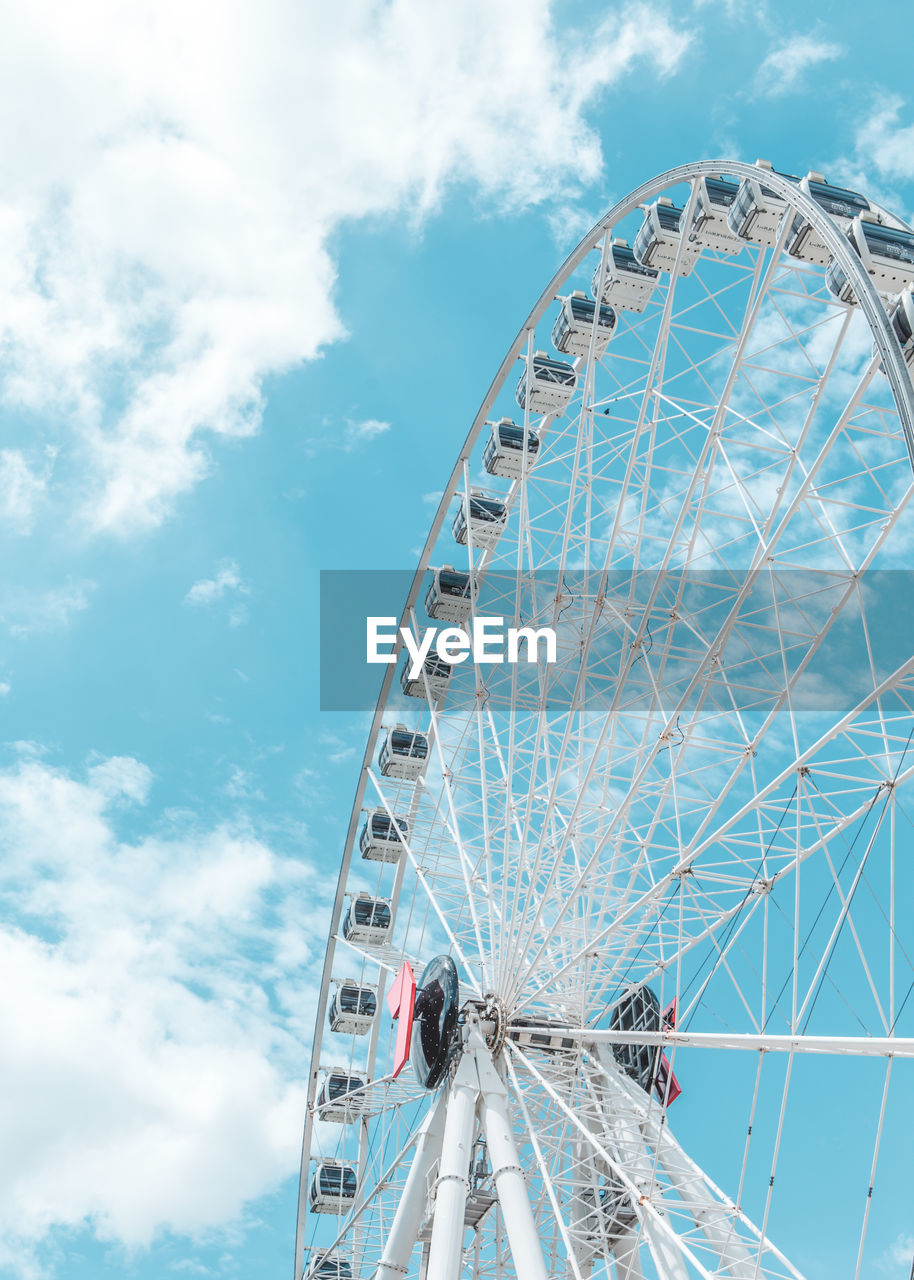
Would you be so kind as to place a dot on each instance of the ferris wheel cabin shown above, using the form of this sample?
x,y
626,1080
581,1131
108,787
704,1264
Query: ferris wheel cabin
x,y
352,1008
546,386
488,518
627,285
333,1187
756,212
504,452
886,252
448,598
657,242
341,1099
574,326
383,837
638,1011
842,206
403,753
367,921
435,674
327,1266
902,320
710,226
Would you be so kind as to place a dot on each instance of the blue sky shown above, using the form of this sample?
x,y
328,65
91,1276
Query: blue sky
x,y
258,263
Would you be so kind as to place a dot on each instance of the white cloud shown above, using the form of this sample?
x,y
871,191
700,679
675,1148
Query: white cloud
x,y
784,67
4,688
886,143
166,217
20,489
121,776
882,160
26,612
898,1256
208,590
153,1055
360,432
568,223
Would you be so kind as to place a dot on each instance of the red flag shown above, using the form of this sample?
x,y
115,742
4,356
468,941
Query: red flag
x,y
401,999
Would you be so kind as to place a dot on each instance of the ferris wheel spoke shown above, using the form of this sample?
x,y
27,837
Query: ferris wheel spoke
x,y
741,751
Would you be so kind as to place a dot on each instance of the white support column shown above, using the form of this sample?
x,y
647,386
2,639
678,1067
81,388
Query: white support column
x,y
404,1231
627,1256
667,1257
510,1183
445,1253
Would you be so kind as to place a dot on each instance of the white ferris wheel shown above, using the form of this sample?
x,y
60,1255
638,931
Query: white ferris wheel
x,y
656,894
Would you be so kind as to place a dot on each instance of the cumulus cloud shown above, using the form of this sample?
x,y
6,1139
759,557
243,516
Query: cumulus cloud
x,y
784,67
166,217
153,1036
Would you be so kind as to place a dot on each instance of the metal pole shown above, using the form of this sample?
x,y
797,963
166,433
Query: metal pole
x,y
510,1183
407,1220
445,1253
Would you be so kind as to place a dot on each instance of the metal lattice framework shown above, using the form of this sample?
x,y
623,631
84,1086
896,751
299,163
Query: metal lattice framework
x,y
705,795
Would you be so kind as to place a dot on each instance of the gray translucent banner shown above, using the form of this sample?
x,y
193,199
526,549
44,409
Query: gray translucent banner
x,y
830,638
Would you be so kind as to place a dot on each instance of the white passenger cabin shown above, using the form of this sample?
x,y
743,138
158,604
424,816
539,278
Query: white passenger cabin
x,y
842,206
448,599
368,921
504,452
901,316
547,385
403,753
435,675
756,212
352,1007
838,284
657,242
886,252
383,837
333,1187
327,1265
341,1097
710,228
627,285
574,330
488,517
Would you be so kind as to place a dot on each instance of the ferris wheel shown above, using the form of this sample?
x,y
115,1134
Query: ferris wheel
x,y
634,912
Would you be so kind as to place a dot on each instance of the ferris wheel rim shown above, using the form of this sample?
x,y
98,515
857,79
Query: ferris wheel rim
x,y
893,366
